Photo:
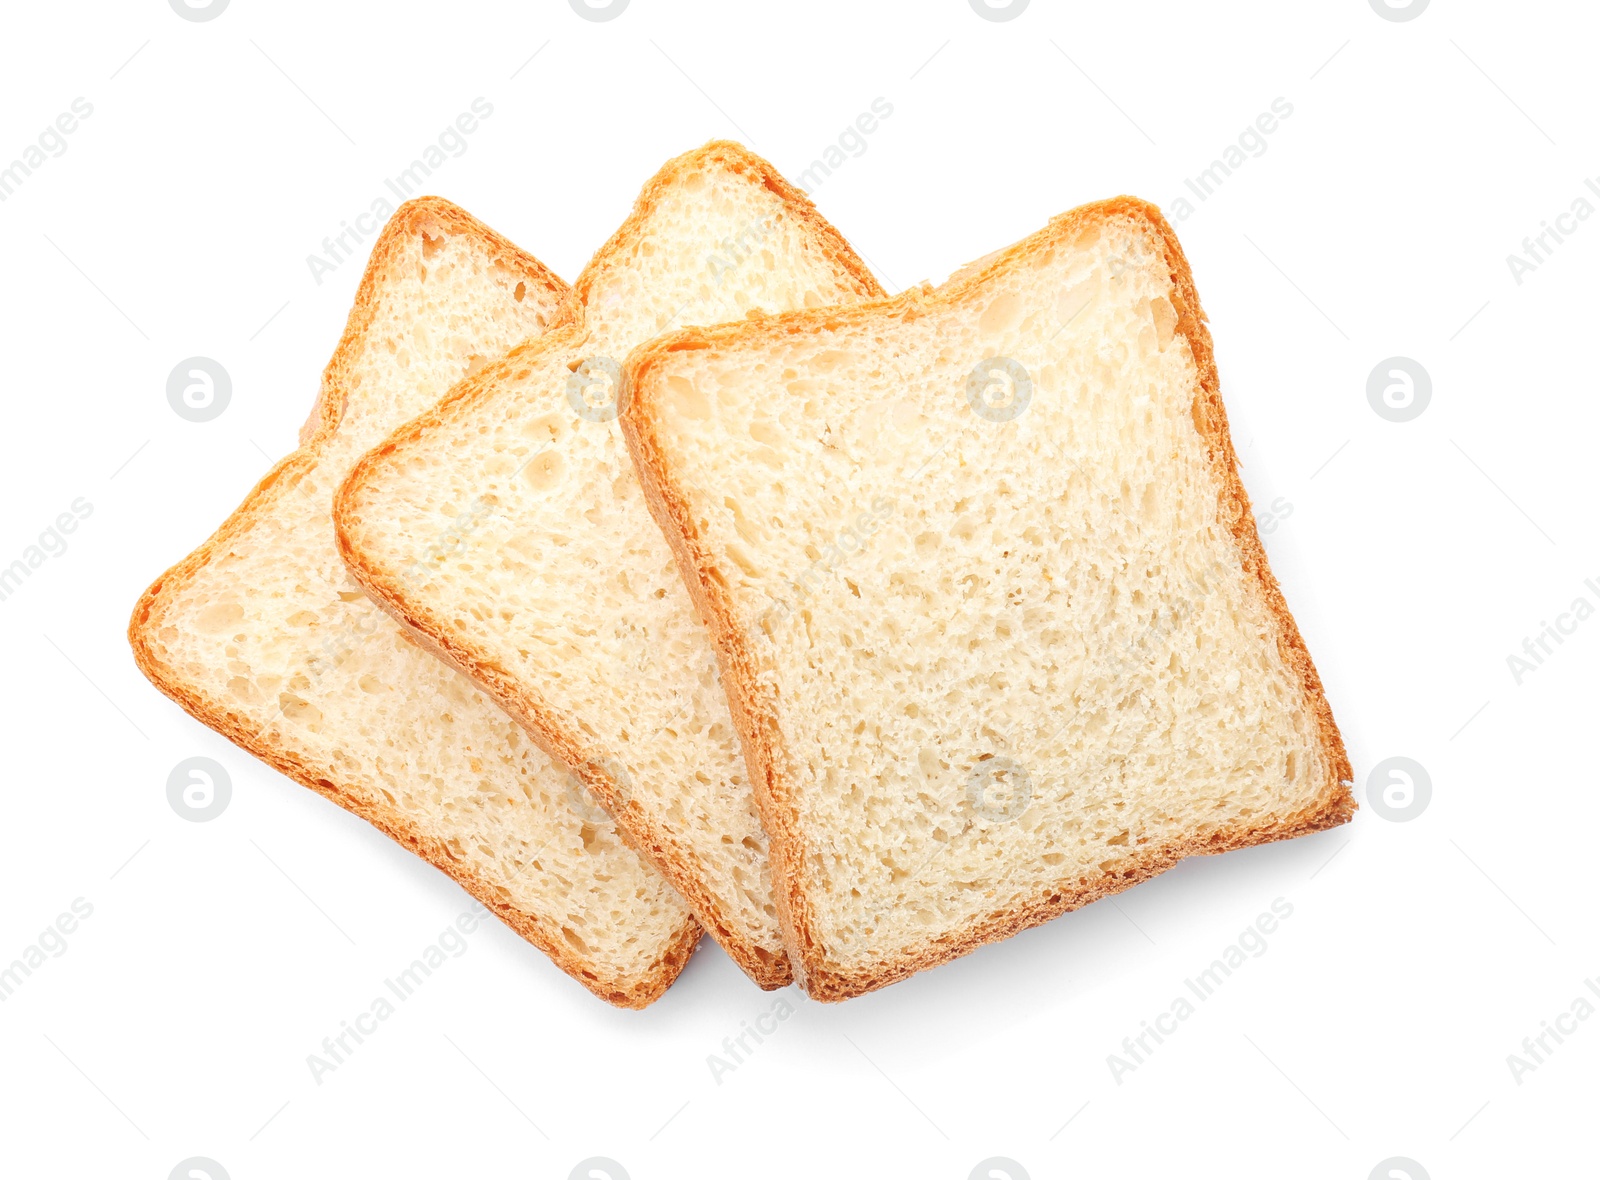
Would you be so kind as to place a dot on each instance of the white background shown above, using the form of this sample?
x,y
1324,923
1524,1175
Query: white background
x,y
1416,557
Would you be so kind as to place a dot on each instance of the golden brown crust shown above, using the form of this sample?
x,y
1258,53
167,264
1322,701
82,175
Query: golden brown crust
x,y
754,710
737,159
414,216
524,702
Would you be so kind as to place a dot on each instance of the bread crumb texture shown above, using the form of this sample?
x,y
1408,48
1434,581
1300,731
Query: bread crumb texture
x,y
1003,632
264,635
567,595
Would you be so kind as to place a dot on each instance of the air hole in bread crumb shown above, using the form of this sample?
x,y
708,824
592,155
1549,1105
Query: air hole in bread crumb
x,y
219,616
522,290
298,708
544,470
571,936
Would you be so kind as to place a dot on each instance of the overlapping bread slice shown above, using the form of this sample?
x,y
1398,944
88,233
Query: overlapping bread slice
x,y
997,629
262,635
566,603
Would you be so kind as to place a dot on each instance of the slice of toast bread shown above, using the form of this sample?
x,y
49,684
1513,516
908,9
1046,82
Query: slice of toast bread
x,y
567,605
262,635
996,626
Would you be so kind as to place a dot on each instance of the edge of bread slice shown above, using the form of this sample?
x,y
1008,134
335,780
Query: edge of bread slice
x,y
731,575
570,610
456,742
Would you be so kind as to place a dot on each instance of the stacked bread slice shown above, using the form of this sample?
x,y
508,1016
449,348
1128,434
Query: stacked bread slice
x,y
997,629
567,605
862,630
262,634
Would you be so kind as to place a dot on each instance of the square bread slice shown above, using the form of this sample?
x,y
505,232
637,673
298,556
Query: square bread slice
x,y
262,635
997,630
566,604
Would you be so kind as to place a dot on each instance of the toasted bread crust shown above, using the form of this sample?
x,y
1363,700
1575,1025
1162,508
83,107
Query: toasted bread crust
x,y
525,702
755,713
412,217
